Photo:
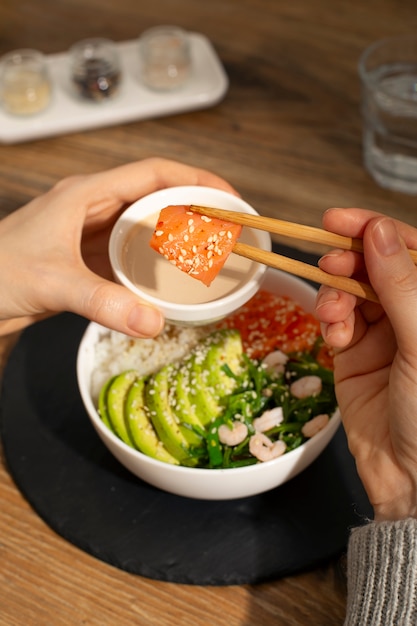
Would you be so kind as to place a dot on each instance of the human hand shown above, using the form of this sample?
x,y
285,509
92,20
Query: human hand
x,y
376,356
53,251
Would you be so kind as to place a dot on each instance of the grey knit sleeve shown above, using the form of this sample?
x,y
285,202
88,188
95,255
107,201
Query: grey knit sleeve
x,y
382,574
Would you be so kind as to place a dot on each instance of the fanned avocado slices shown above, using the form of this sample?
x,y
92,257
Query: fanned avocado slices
x,y
166,415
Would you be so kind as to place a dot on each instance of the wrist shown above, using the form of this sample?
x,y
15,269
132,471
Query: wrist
x,y
395,512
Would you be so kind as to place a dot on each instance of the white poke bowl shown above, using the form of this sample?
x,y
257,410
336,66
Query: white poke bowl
x,y
207,484
154,279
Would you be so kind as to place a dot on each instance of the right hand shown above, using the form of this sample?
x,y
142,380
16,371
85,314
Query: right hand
x,y
376,356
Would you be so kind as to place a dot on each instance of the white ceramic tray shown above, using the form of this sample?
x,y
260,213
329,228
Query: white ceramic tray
x,y
206,87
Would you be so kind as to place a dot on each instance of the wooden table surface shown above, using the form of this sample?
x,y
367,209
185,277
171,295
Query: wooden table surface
x,y
288,136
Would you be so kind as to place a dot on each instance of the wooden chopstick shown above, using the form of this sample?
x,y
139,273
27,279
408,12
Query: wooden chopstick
x,y
292,266
310,272
288,229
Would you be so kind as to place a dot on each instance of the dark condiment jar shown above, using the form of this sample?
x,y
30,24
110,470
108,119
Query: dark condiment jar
x,y
95,69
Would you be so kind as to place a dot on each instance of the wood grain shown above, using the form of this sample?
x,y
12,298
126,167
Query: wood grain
x,y
288,137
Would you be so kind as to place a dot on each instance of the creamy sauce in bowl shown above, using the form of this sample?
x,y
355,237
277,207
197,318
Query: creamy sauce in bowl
x,y
157,277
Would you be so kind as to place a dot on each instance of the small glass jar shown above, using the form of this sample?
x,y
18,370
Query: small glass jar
x,y
25,84
165,57
95,69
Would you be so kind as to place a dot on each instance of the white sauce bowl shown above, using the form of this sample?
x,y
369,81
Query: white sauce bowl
x,y
180,297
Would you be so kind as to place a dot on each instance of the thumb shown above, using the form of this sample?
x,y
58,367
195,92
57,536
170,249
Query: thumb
x,y
113,306
393,276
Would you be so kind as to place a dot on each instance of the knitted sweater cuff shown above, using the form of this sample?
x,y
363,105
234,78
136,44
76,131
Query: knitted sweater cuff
x,y
382,574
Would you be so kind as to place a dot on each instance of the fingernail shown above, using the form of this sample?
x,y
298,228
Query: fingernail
x,y
332,254
327,296
145,320
386,238
334,334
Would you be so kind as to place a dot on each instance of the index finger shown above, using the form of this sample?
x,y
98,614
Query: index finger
x,y
352,222
112,189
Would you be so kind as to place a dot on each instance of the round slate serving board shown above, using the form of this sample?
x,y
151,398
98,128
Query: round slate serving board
x,y
87,497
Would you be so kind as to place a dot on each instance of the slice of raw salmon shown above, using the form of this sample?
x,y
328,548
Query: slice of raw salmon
x,y
196,244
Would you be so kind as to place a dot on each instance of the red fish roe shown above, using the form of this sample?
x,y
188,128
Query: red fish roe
x,y
269,322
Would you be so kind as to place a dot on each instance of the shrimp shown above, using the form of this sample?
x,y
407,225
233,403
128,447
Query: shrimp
x,y
306,386
268,419
313,426
262,448
232,436
275,361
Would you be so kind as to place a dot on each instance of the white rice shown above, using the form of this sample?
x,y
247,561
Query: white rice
x,y
116,352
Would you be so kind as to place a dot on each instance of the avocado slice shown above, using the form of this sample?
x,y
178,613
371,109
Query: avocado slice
x,y
102,403
140,426
158,399
116,397
208,382
204,398
184,402
227,349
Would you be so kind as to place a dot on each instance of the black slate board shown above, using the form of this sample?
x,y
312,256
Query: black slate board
x,y
87,497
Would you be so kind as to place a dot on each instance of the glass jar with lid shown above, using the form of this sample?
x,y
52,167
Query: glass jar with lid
x,y
25,85
165,56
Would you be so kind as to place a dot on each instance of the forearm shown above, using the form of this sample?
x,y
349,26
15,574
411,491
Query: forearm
x,y
382,574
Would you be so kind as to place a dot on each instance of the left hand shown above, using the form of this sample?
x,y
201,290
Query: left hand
x,y
53,251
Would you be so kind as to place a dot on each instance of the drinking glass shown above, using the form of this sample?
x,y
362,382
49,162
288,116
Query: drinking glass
x,y
388,72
